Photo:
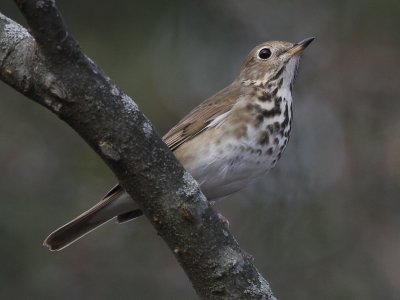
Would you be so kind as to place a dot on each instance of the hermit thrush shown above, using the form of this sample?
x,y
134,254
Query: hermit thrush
x,y
228,141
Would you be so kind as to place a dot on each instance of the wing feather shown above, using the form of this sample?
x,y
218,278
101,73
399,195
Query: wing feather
x,y
199,118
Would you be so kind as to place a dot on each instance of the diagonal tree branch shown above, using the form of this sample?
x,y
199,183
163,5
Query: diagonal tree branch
x,y
49,68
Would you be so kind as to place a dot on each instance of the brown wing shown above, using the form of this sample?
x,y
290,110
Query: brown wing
x,y
198,119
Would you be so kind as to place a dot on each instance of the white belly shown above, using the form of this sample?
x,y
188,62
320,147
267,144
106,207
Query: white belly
x,y
228,166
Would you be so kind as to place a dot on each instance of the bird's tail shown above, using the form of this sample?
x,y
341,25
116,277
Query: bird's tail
x,y
116,203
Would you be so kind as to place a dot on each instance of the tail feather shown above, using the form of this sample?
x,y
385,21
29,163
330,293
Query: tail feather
x,y
115,204
129,216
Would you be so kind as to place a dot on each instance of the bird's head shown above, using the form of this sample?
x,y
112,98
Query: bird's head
x,y
273,60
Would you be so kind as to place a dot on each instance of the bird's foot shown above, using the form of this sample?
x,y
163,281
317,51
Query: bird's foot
x,y
224,220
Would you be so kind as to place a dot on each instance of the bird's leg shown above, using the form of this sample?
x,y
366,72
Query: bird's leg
x,y
220,216
223,219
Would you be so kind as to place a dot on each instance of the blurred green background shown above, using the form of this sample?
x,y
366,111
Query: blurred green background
x,y
324,224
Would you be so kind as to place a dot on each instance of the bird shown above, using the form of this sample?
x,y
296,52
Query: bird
x,y
227,142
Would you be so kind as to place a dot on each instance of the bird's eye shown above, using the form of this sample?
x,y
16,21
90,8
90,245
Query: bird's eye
x,y
264,53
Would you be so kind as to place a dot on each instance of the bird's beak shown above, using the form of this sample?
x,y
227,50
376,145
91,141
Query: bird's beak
x,y
298,48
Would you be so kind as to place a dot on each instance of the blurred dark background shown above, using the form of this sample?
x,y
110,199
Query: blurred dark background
x,y
324,224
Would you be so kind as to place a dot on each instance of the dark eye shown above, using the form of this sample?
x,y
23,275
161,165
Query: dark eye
x,y
264,53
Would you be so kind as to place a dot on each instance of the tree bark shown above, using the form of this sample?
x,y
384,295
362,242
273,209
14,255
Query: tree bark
x,y
49,68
